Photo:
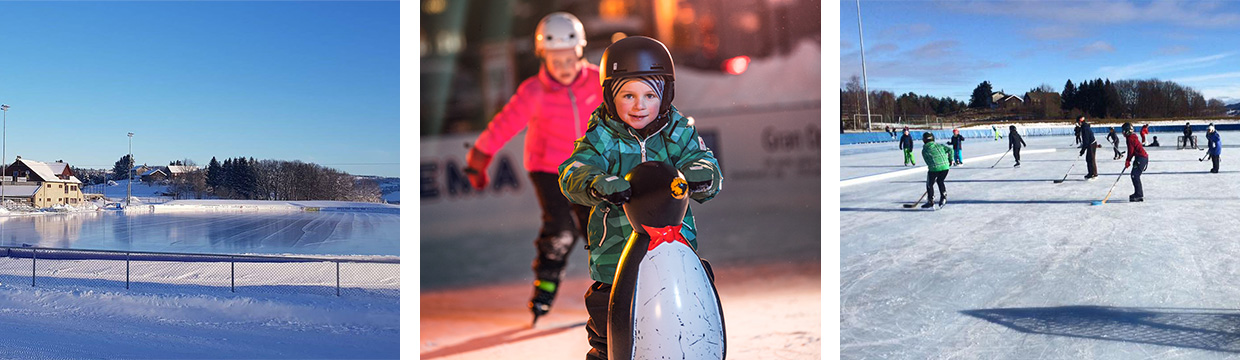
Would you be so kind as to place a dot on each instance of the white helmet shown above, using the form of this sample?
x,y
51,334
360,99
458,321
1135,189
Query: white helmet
x,y
559,30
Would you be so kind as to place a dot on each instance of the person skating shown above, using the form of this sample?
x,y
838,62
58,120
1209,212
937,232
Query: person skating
x,y
996,131
1145,130
1089,146
1015,142
1114,140
635,123
956,142
1188,137
1143,160
1076,129
938,161
906,144
1213,147
554,105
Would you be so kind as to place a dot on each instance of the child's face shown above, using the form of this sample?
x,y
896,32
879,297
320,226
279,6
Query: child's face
x,y
562,64
637,104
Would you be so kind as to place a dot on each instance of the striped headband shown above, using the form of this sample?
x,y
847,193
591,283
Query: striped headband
x,y
653,81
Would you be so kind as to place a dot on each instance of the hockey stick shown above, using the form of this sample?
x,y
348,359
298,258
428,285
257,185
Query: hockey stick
x,y
1000,158
1104,200
910,206
1065,176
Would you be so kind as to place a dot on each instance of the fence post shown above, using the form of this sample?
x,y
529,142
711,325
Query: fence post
x,y
233,277
126,270
337,278
34,257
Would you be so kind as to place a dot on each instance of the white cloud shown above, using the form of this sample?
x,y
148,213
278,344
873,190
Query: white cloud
x,y
1054,32
1096,47
1173,50
1208,78
906,31
1189,14
1154,67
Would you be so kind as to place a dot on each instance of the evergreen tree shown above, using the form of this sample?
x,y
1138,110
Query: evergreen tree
x,y
120,170
1069,96
215,173
981,96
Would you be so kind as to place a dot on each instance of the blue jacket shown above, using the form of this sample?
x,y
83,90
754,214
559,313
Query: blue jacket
x,y
1215,147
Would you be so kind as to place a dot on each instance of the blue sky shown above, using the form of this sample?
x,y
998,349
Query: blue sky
x,y
946,48
310,81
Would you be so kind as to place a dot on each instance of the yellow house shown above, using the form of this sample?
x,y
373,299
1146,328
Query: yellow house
x,y
41,184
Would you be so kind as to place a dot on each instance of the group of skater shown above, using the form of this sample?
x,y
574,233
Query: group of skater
x,y
585,126
940,158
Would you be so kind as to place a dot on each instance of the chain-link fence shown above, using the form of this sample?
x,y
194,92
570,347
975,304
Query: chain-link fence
x,y
174,272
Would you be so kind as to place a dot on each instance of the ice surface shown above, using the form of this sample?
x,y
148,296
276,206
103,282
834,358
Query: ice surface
x,y
1017,267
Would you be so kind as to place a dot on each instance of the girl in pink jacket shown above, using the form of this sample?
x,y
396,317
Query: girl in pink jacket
x,y
555,105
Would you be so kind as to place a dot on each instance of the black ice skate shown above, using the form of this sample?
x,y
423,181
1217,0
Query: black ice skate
x,y
544,295
928,205
942,201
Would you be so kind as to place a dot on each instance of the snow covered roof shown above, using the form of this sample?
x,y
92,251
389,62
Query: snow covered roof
x,y
58,167
181,169
44,171
20,190
153,171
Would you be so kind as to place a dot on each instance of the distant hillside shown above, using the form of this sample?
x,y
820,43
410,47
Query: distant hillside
x,y
1233,109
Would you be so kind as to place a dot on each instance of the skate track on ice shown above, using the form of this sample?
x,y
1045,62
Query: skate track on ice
x,y
1017,267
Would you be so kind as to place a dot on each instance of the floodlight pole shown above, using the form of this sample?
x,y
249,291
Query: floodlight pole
x,y
129,185
864,80
3,148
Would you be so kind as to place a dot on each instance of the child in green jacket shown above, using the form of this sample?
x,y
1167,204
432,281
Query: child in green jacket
x,y
636,123
938,161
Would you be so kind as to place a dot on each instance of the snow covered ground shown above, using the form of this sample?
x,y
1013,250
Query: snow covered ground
x,y
165,316
1017,267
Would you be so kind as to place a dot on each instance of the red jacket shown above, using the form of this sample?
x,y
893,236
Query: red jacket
x,y
1135,148
555,114
1145,130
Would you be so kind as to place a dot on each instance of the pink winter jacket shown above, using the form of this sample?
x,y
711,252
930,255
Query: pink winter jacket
x,y
555,114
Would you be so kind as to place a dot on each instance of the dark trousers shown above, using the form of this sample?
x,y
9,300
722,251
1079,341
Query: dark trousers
x,y
1138,166
1214,159
562,223
935,177
597,298
1116,149
1016,153
1090,161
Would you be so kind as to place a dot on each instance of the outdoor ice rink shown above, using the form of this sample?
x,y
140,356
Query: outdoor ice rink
x,y
1018,267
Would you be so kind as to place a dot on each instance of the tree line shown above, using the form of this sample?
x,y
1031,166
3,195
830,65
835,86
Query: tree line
x,y
245,178
1094,98
890,106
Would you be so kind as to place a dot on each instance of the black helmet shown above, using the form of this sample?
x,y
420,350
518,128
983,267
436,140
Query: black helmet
x,y
1012,127
1127,128
637,56
927,137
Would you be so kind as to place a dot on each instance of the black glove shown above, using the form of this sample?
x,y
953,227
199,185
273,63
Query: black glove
x,y
611,188
700,186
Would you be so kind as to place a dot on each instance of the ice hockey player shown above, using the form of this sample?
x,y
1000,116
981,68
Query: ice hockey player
x,y
1188,137
1214,148
1114,139
938,161
638,78
996,131
1076,129
1089,146
1015,142
957,145
1145,130
1135,150
906,144
554,105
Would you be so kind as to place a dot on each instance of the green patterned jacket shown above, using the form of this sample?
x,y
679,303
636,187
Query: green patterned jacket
x,y
611,147
937,156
